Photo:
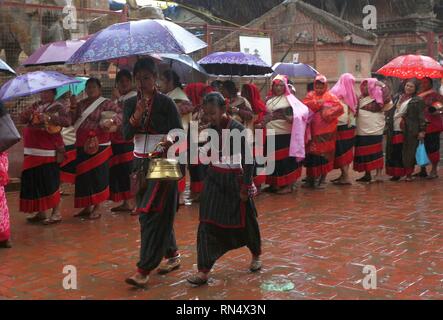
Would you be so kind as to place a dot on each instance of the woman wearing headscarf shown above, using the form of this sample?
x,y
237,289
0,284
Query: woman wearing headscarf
x,y
67,167
171,85
433,114
344,146
121,161
237,106
374,100
43,149
326,109
93,148
406,126
286,121
250,92
228,217
148,118
197,170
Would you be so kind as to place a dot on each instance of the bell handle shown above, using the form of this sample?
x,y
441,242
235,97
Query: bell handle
x,y
150,155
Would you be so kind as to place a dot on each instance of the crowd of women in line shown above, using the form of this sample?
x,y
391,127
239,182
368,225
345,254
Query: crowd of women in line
x,y
104,145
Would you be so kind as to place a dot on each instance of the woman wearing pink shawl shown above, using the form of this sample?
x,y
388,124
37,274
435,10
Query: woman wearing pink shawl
x,y
374,99
344,146
286,120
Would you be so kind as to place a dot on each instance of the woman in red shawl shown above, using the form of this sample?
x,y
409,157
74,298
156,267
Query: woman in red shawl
x,y
326,108
251,93
197,171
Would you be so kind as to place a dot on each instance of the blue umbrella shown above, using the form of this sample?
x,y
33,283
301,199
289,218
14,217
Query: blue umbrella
x,y
137,38
295,70
32,83
234,64
5,68
75,88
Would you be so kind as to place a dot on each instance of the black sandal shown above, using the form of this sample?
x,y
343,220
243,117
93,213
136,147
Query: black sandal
x,y
364,179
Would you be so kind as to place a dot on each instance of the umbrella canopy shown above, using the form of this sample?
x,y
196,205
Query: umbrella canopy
x,y
53,53
34,82
234,64
187,69
412,66
294,70
4,67
137,38
75,88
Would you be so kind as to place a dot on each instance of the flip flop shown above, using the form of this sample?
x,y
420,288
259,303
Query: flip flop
x,y
364,179
431,177
120,209
51,220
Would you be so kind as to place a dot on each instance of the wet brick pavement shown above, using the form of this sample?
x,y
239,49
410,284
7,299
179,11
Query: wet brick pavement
x,y
317,241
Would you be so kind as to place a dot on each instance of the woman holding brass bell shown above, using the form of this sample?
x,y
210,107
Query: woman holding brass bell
x,y
148,118
93,148
228,217
43,149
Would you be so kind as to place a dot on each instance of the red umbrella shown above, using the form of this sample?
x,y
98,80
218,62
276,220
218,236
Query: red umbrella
x,y
412,66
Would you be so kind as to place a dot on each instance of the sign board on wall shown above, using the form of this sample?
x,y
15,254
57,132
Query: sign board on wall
x,y
259,46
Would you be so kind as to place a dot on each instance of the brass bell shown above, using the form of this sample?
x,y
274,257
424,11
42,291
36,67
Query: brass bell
x,y
163,169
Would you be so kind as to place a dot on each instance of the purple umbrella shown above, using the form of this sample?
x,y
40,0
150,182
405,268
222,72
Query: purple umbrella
x,y
137,38
32,83
4,67
53,53
294,70
234,64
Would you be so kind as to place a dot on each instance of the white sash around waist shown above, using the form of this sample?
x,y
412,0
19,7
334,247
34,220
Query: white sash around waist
x,y
143,146
39,152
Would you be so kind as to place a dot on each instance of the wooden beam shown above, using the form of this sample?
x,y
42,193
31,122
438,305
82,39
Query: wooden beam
x,y
377,52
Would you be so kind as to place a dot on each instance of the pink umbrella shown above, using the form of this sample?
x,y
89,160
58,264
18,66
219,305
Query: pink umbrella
x,y
53,53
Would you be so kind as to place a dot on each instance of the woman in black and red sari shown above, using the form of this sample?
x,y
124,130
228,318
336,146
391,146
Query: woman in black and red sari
x,y
371,121
40,180
288,130
250,92
93,149
67,167
120,164
326,109
171,86
197,171
433,113
148,118
228,217
344,146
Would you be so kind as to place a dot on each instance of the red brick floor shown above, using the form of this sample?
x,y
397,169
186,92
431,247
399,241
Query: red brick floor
x,y
318,240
